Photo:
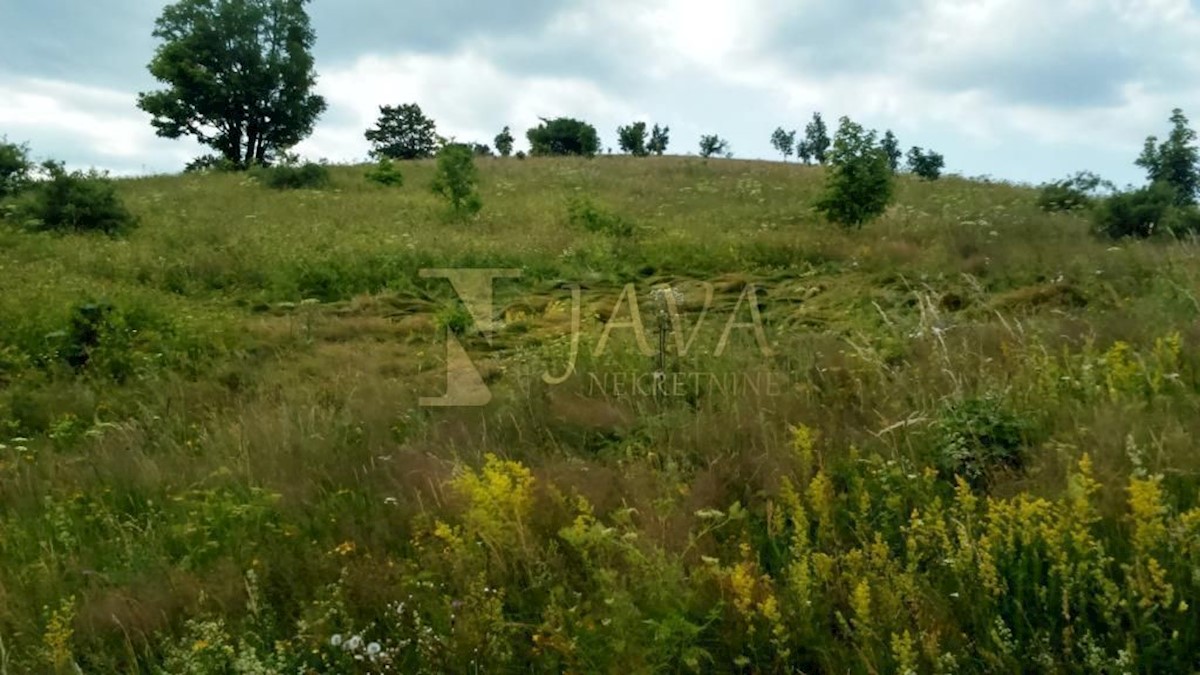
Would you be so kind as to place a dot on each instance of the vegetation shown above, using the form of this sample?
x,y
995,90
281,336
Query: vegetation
x,y
457,179
563,136
15,167
926,164
891,148
632,139
816,140
713,145
385,173
73,201
1176,161
294,175
504,142
239,77
784,142
859,182
403,132
1080,191
660,138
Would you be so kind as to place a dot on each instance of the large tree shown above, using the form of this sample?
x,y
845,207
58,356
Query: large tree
x,y
1174,161
563,136
239,76
403,132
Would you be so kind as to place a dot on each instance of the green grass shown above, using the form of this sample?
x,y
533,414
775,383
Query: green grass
x,y
241,471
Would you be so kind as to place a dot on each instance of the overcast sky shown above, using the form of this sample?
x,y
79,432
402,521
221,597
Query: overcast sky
x,y
1024,90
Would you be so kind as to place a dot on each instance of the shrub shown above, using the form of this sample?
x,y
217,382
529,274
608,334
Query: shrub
x,y
210,163
1146,211
582,212
385,173
859,184
977,437
926,164
1077,192
74,202
15,167
293,176
457,179
563,136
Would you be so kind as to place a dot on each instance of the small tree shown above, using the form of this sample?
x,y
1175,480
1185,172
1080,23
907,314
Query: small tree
x,y
659,138
504,142
632,139
74,202
563,136
403,132
784,142
385,173
859,185
1144,212
15,167
457,179
1174,161
891,147
804,152
713,144
926,164
817,138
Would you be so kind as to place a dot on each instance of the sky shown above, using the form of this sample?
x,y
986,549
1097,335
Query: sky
x,y
1019,90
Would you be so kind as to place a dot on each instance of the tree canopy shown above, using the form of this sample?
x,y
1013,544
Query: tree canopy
x,y
403,132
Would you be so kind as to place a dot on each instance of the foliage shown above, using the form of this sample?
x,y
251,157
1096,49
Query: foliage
x,y
632,139
804,152
563,136
294,176
660,138
713,145
402,132
784,142
239,77
15,167
1146,211
1175,161
210,164
74,201
583,212
457,179
978,437
386,173
1075,192
504,142
816,139
925,164
891,147
859,184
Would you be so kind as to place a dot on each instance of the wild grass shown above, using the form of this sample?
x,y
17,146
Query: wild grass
x,y
979,457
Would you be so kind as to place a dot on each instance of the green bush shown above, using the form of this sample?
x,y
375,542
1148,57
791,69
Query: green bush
x,y
210,164
859,184
563,136
74,202
978,437
583,212
307,176
1146,211
926,164
385,173
1069,194
457,179
15,167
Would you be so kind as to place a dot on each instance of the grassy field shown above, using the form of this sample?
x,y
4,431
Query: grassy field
x,y
975,454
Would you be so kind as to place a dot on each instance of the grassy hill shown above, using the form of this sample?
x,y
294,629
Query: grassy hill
x,y
968,448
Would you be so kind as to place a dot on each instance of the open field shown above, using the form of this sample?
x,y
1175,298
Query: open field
x,y
973,452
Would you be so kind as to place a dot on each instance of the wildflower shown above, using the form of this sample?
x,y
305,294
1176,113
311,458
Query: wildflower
x,y
336,640
373,650
354,643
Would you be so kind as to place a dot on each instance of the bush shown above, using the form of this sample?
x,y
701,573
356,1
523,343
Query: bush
x,y
293,176
582,212
1141,213
1077,192
385,173
74,202
563,136
859,184
457,179
978,437
15,168
211,163
926,164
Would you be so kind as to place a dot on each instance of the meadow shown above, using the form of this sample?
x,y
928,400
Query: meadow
x,y
977,455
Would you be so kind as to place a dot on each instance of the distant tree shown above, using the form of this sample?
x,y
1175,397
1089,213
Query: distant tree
x,y
784,142
816,136
481,150
659,139
859,184
240,76
1144,212
504,142
713,145
457,179
804,152
403,132
632,139
926,164
563,136
891,147
1080,191
1174,161
15,167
